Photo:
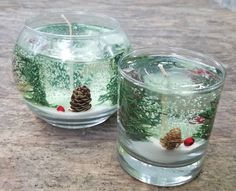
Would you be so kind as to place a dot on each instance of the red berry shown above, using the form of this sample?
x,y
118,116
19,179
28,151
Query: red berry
x,y
200,119
196,120
200,71
60,108
203,72
189,141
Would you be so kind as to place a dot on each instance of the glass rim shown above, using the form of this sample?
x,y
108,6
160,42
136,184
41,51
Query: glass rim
x,y
115,24
173,51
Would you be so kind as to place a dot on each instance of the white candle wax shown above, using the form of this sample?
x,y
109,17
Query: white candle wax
x,y
176,81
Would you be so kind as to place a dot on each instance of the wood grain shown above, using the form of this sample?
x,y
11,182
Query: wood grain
x,y
37,156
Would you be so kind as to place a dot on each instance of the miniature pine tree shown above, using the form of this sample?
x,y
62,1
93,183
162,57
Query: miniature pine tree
x,y
27,70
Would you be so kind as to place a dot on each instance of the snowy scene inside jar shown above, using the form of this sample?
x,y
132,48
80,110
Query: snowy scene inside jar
x,y
167,107
69,69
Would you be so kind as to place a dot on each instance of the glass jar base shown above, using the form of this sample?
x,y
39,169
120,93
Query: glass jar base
x,y
79,124
72,120
158,175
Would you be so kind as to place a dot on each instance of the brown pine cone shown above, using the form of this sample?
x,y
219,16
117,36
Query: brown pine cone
x,y
80,99
172,139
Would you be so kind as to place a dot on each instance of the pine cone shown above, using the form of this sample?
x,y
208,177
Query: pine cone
x,y
172,139
80,99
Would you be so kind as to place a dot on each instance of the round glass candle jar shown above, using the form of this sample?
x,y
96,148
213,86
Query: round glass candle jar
x,y
65,65
167,104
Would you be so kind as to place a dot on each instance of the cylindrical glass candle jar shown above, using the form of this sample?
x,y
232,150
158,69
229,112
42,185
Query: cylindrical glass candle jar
x,y
65,65
167,103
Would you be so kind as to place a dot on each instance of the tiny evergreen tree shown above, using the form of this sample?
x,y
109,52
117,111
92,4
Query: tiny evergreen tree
x,y
27,70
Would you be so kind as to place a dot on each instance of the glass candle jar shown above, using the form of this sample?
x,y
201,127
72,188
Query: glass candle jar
x,y
65,65
167,103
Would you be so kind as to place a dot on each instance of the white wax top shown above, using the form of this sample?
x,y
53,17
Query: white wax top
x,y
176,80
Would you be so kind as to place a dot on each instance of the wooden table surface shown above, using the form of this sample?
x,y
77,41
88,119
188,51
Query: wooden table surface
x,y
37,156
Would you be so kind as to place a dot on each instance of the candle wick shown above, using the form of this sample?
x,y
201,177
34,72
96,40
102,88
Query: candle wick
x,y
68,23
162,69
164,103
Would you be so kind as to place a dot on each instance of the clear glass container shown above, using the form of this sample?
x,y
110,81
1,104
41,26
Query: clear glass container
x,y
65,66
168,98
